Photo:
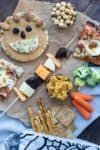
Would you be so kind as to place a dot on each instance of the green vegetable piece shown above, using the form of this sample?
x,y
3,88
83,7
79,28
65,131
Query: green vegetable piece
x,y
94,79
82,72
79,83
96,75
91,82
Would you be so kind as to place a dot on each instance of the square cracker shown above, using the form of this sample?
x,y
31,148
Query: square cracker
x,y
65,115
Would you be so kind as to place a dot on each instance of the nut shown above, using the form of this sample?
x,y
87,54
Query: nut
x,y
58,5
62,25
54,9
16,18
62,8
61,20
56,22
29,16
52,13
57,12
65,17
4,26
63,3
62,13
39,22
59,17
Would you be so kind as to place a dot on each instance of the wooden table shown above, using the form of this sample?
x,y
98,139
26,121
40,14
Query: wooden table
x,y
92,9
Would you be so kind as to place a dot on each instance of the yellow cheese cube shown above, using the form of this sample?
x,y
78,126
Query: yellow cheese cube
x,y
42,72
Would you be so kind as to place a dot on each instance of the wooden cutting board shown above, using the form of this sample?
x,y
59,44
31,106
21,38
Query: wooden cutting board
x,y
57,38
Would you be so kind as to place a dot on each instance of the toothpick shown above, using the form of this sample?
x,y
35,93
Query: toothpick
x,y
6,110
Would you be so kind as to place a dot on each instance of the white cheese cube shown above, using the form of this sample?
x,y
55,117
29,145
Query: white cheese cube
x,y
49,64
26,89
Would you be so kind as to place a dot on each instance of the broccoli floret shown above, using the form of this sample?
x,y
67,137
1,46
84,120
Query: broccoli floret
x,y
91,82
82,72
94,79
96,75
79,82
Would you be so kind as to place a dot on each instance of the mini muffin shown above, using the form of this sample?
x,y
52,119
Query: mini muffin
x,y
63,14
58,87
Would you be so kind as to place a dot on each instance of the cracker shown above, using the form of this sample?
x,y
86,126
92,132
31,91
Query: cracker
x,y
36,32
65,115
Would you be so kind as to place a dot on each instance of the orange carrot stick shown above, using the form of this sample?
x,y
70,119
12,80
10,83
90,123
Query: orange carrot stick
x,y
83,96
83,103
81,110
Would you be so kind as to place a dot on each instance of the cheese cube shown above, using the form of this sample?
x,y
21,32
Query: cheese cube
x,y
56,61
42,72
49,64
26,89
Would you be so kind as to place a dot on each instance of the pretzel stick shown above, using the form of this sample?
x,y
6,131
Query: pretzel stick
x,y
31,117
38,124
43,111
50,121
43,121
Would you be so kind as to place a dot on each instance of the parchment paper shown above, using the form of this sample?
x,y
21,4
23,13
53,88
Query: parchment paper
x,y
57,38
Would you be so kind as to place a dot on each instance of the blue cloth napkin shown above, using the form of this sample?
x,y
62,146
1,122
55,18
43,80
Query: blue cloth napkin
x,y
14,135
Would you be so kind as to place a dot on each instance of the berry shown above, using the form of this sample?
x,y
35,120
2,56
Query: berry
x,y
34,82
28,28
15,30
61,53
23,36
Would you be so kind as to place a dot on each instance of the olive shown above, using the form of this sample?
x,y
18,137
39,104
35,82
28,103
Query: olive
x,y
34,82
61,53
15,30
28,28
23,35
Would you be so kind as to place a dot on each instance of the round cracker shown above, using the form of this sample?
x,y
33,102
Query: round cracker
x,y
9,37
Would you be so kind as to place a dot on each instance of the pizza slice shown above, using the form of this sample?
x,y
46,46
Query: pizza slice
x,y
88,45
8,77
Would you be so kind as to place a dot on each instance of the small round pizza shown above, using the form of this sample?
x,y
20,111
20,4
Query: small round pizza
x,y
23,36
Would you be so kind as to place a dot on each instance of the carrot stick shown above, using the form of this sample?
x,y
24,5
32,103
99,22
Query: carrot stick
x,y
81,110
83,96
83,103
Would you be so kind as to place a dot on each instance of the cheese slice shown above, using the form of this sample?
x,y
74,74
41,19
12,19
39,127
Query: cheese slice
x,y
49,64
25,46
26,89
